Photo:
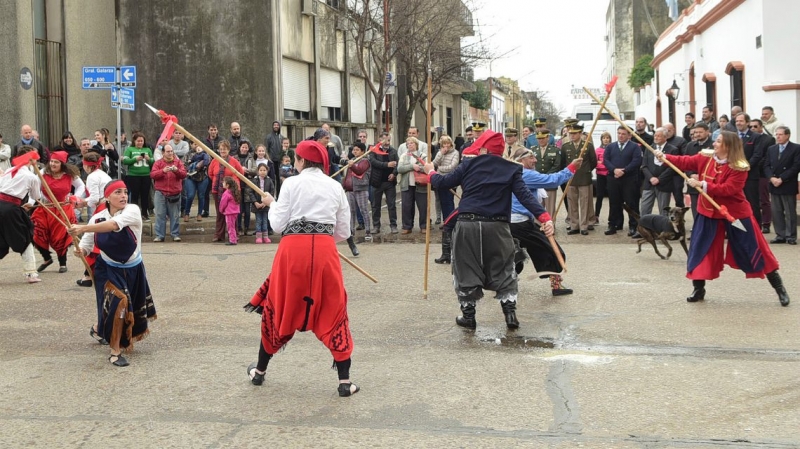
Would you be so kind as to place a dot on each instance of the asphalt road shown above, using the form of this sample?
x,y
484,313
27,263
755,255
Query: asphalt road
x,y
625,362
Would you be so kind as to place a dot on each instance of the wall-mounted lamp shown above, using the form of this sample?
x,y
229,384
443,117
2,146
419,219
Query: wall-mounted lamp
x,y
674,90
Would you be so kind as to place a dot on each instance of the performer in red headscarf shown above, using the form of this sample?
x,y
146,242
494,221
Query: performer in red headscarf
x,y
305,290
48,231
482,247
16,228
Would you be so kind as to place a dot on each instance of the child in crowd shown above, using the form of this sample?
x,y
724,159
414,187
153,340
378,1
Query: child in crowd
x,y
287,169
356,185
229,206
261,210
261,158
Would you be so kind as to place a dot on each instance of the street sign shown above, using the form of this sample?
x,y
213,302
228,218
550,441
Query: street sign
x,y
123,98
99,77
127,76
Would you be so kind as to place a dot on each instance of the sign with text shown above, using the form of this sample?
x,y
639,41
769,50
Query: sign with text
x,y
123,98
99,77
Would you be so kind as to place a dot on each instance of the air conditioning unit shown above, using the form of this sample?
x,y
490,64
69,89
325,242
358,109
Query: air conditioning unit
x,y
310,7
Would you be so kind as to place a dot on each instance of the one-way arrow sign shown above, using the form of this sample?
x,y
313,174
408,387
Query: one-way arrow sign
x,y
128,76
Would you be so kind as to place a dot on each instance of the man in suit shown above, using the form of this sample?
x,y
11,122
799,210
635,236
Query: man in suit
x,y
754,153
702,142
658,177
680,144
622,159
763,182
782,166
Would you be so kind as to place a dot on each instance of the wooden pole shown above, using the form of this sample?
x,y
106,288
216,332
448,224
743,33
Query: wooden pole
x,y
354,161
558,253
55,202
722,210
252,185
585,145
428,220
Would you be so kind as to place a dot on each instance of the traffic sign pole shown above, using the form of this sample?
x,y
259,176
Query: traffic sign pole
x,y
119,129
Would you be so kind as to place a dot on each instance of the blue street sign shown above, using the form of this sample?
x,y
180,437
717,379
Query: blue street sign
x,y
99,77
123,98
127,76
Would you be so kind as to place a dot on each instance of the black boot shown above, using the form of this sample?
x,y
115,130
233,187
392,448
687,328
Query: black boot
x,y
510,311
446,239
699,292
467,318
777,283
352,244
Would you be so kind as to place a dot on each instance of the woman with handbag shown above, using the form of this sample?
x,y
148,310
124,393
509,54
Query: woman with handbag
x,y
167,174
196,181
413,187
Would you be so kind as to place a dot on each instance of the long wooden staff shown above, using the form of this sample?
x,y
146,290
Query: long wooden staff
x,y
244,179
428,220
354,161
64,215
722,209
609,87
52,214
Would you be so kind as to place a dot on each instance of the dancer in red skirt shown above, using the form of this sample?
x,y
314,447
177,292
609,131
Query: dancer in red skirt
x,y
305,291
723,175
48,231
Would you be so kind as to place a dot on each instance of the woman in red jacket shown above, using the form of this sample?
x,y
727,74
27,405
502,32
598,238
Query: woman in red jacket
x,y
217,172
723,175
168,174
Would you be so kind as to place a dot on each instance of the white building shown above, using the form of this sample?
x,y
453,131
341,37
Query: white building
x,y
727,53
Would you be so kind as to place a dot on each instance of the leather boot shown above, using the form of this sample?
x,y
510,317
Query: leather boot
x,y
699,292
467,318
556,287
446,240
510,311
352,244
777,283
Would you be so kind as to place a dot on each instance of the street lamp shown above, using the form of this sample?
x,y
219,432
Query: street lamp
x,y
674,90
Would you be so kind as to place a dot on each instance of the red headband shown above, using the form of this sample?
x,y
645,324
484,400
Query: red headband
x,y
93,164
112,186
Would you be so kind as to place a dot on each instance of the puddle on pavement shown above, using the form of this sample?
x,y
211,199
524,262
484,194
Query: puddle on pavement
x,y
517,341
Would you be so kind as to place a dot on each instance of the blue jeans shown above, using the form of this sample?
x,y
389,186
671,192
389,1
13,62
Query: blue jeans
x,y
166,209
262,221
199,188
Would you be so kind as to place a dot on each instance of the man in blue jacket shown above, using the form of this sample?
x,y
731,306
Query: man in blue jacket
x,y
622,159
483,249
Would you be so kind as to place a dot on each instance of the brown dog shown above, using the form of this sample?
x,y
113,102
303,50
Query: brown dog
x,y
664,228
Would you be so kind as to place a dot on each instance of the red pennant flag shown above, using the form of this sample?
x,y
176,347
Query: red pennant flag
x,y
167,133
610,84
377,150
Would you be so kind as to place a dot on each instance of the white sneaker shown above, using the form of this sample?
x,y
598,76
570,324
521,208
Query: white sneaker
x,y
32,278
367,238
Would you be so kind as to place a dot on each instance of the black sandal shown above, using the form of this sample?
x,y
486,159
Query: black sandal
x,y
44,265
255,377
93,333
84,282
345,390
118,360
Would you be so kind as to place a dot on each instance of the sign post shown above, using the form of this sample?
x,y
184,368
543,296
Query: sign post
x,y
122,82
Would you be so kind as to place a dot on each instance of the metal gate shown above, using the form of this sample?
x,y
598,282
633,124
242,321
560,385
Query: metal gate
x,y
50,81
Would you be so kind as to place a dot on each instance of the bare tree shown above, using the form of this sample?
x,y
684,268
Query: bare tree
x,y
372,38
411,33
428,36
543,107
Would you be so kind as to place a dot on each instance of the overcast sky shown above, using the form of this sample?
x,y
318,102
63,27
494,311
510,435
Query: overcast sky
x,y
549,45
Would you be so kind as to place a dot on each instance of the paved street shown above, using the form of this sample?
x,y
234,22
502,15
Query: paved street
x,y
625,362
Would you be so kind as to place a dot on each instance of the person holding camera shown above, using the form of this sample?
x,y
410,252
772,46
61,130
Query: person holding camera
x,y
168,174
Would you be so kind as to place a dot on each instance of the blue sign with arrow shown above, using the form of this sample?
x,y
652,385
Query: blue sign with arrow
x,y
127,76
123,98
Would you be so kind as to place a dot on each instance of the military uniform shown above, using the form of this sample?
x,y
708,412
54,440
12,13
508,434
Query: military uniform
x,y
508,153
579,195
550,159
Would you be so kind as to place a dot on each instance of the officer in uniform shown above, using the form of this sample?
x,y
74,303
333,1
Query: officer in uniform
x,y
512,143
550,159
580,208
477,129
541,125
